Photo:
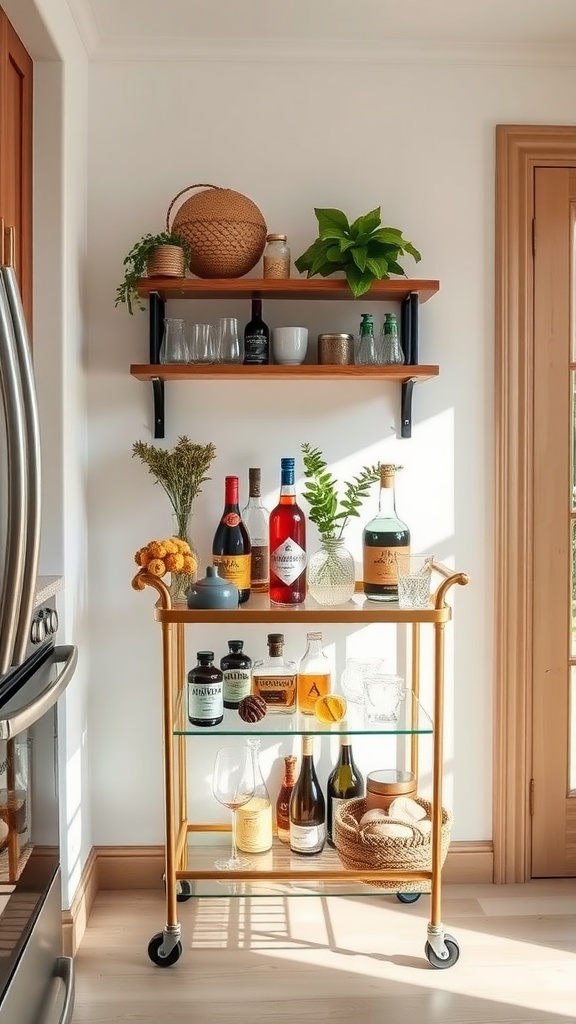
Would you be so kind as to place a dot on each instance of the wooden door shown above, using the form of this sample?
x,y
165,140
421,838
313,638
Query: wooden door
x,y
16,154
554,516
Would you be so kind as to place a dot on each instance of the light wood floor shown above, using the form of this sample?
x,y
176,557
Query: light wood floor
x,y
344,960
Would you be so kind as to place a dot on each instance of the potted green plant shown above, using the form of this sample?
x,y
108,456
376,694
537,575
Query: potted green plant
x,y
164,255
331,570
365,250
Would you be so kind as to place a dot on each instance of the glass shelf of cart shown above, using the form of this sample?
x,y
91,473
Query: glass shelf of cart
x,y
281,860
258,609
412,719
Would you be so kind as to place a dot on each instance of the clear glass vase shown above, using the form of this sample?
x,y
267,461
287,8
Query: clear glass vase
x,y
181,581
331,573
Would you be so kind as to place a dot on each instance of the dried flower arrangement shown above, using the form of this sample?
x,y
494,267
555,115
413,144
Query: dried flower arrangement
x,y
181,471
161,556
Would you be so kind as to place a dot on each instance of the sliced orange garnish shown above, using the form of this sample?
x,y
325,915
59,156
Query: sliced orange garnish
x,y
330,708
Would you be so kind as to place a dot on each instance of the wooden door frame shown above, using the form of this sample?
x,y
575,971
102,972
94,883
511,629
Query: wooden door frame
x,y
519,149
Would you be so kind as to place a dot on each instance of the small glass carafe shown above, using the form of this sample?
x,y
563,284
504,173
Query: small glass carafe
x,y
174,347
254,819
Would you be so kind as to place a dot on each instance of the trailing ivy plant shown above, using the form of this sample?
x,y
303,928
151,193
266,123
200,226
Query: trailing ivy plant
x,y
329,513
135,264
364,250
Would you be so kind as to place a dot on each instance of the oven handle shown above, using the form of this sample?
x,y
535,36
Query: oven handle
x,y
22,719
63,971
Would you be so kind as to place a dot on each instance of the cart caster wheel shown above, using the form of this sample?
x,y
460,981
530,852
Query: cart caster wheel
x,y
408,897
184,891
453,954
154,952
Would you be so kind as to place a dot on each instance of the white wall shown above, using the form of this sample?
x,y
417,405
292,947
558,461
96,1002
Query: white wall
x,y
60,185
419,140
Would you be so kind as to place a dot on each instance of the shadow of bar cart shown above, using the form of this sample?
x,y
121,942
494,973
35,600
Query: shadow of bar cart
x,y
188,871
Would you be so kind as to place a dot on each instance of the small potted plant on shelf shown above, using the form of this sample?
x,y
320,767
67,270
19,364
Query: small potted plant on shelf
x,y
331,570
164,255
365,250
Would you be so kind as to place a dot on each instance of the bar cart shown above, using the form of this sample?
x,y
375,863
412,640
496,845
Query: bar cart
x,y
184,880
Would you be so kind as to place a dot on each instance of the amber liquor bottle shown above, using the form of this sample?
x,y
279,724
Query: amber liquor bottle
x,y
231,548
283,801
274,679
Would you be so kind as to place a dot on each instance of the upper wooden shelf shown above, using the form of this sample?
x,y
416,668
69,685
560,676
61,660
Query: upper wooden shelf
x,y
306,371
394,290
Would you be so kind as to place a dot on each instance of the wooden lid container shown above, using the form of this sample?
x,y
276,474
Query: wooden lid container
x,y
383,786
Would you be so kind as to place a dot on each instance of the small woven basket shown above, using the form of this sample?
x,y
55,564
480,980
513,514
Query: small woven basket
x,y
166,261
226,231
360,850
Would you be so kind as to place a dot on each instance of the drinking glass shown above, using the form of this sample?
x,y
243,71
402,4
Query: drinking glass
x,y
201,343
354,677
414,577
174,347
383,694
229,347
233,786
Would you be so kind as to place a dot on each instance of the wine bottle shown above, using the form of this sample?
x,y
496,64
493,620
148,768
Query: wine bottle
x,y
231,548
383,537
256,338
313,674
205,691
287,533
275,678
307,806
236,669
256,520
283,801
344,783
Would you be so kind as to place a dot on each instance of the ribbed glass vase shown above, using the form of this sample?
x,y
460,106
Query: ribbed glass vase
x,y
331,573
181,581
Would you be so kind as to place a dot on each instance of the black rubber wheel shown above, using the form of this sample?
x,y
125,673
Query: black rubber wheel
x,y
184,892
154,952
408,897
453,954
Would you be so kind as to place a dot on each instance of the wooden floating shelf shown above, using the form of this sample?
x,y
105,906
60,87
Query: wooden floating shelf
x,y
395,290
230,371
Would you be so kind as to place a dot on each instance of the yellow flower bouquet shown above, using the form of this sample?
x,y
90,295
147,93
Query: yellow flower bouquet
x,y
161,556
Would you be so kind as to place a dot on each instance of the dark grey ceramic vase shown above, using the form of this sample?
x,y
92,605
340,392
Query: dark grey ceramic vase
x,y
212,592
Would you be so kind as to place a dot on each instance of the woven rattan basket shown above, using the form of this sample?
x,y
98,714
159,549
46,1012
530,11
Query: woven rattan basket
x,y
360,850
166,261
225,230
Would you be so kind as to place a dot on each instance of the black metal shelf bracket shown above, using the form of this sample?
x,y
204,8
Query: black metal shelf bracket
x,y
409,337
156,330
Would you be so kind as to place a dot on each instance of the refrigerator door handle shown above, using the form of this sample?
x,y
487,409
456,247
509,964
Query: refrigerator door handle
x,y
17,721
63,972
10,593
33,483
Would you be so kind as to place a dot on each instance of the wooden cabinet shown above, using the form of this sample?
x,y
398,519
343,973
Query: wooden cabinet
x,y
16,71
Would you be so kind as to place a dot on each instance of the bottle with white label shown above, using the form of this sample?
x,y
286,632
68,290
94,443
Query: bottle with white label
x,y
205,707
344,783
287,530
237,670
307,806
274,679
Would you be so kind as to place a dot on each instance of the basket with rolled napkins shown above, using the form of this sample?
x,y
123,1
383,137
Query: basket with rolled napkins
x,y
399,839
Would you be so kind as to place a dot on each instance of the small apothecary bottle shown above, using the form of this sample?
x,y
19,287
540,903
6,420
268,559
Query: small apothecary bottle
x,y
313,674
236,668
276,257
275,678
205,706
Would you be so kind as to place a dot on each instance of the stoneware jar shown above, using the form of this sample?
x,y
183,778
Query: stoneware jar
x,y
212,592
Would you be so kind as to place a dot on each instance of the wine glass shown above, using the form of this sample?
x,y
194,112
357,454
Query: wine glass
x,y
233,786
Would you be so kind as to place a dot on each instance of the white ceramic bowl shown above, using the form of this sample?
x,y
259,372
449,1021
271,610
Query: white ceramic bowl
x,y
289,345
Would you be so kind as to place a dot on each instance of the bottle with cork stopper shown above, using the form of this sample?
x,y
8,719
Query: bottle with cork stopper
x,y
276,257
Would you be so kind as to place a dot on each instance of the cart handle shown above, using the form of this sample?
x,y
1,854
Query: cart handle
x,y
146,579
450,579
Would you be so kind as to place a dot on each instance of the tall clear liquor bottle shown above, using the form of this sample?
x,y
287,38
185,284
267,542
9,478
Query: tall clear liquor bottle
x,y
307,806
344,783
287,533
275,678
383,537
313,674
256,338
231,548
256,519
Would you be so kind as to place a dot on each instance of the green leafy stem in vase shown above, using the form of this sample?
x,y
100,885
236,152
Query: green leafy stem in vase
x,y
329,513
